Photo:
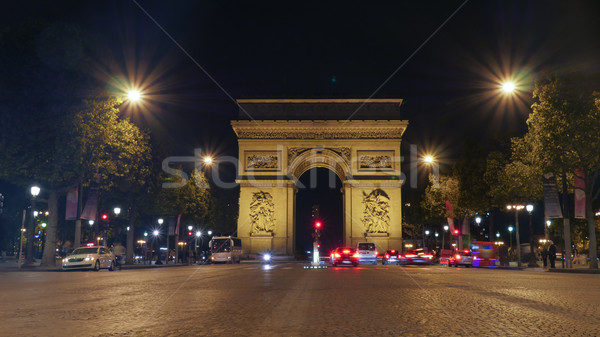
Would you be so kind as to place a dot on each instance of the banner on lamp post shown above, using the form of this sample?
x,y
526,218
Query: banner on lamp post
x,y
551,202
450,215
579,194
72,198
91,205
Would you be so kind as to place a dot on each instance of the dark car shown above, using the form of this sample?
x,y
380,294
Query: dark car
x,y
391,256
416,256
344,255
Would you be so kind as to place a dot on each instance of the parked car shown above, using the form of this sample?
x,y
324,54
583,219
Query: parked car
x,y
416,256
391,256
461,258
344,255
95,257
367,252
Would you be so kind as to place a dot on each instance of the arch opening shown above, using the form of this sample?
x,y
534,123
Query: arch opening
x,y
319,191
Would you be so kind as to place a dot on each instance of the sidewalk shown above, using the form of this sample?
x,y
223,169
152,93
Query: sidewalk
x,y
10,265
577,268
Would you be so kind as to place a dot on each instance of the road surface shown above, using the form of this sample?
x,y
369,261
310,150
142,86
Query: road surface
x,y
289,300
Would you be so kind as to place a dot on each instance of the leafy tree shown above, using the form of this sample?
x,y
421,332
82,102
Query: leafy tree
x,y
57,128
436,194
563,137
193,201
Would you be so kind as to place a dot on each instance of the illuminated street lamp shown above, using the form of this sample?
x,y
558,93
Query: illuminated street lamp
x,y
134,96
532,259
510,229
117,211
517,208
35,191
547,229
207,160
160,221
508,87
444,234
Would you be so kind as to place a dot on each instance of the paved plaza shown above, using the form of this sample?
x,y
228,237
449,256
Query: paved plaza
x,y
287,299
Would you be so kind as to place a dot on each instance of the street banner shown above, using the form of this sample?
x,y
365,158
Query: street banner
x,y
551,202
579,194
72,198
171,226
177,228
91,205
450,215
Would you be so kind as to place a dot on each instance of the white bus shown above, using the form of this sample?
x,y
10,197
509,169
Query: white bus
x,y
225,249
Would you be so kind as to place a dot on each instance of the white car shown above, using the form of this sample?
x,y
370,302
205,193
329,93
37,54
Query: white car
x,y
367,252
95,257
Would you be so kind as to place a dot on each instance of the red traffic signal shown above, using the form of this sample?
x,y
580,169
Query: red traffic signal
x,y
104,216
318,225
456,232
190,233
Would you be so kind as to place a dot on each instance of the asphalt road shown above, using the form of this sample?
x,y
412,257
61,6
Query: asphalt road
x,y
288,300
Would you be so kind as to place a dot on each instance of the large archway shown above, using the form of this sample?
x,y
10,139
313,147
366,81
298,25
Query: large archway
x,y
273,155
319,198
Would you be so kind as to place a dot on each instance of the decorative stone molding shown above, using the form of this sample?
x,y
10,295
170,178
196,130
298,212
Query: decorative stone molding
x,y
376,215
262,160
262,212
375,160
330,129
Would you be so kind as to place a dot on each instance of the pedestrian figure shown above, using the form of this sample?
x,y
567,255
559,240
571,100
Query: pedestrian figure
x,y
545,255
552,255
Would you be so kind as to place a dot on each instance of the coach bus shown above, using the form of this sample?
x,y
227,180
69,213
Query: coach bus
x,y
225,249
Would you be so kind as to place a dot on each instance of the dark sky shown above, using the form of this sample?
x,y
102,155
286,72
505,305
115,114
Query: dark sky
x,y
334,50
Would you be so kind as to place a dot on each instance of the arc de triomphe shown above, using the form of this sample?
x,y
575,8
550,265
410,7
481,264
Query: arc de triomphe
x,y
364,153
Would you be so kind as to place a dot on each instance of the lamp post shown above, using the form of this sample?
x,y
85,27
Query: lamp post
x,y
35,191
510,229
478,221
444,235
91,223
198,235
532,258
155,233
547,229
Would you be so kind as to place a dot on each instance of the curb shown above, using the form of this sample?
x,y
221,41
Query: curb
x,y
575,271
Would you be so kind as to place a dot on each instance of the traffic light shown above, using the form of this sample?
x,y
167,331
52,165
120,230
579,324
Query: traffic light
x,y
456,232
104,217
190,233
318,225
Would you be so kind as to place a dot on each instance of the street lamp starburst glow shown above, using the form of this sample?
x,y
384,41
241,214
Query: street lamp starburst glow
x,y
508,87
134,95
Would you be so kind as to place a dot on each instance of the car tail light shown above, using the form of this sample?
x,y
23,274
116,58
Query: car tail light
x,y
411,255
337,255
428,256
399,256
346,251
387,256
355,255
457,256
376,253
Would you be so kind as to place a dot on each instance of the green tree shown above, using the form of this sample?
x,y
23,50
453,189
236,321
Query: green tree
x,y
192,201
563,137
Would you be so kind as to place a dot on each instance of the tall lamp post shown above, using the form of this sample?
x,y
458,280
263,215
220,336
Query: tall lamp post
x,y
444,235
117,211
35,191
547,229
478,221
517,208
532,258
510,229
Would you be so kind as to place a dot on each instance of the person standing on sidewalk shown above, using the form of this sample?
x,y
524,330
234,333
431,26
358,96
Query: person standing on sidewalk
x,y
552,255
545,255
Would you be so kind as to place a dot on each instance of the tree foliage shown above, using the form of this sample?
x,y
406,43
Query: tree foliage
x,y
56,128
562,137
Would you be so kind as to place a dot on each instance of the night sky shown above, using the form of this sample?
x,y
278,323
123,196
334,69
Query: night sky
x,y
446,59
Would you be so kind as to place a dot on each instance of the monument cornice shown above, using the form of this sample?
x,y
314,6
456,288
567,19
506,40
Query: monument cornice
x,y
319,129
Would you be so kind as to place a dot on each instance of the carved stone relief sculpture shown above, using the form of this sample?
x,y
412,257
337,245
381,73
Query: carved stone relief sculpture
x,y
376,215
262,213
